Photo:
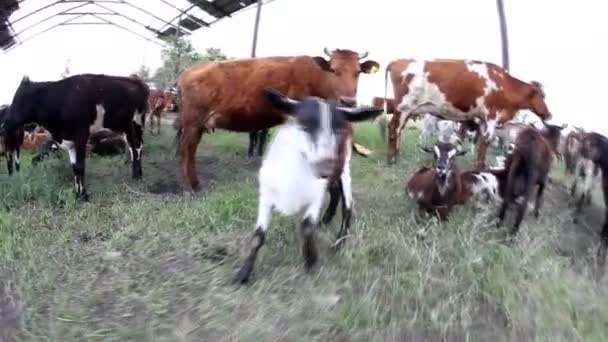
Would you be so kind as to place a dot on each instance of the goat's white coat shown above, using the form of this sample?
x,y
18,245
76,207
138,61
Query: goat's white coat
x,y
287,180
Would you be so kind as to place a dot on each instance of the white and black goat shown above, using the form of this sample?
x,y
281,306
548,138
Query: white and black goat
x,y
309,155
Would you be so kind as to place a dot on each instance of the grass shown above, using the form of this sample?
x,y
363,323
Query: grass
x,y
140,262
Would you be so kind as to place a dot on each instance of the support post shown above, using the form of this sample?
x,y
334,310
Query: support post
x,y
255,28
503,34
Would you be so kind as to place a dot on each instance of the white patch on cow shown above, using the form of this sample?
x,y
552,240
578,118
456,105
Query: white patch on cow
x,y
100,114
426,97
437,152
138,118
490,129
419,195
131,153
481,69
69,146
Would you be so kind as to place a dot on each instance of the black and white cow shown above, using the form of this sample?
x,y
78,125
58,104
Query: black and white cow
x,y
309,155
71,108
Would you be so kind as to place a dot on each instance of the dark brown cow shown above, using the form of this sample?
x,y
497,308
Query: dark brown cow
x,y
458,90
228,94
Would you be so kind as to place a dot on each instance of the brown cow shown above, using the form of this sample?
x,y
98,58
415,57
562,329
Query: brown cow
x,y
160,100
228,94
458,90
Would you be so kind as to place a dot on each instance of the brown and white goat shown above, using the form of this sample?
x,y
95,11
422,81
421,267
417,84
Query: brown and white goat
x,y
437,189
527,167
309,154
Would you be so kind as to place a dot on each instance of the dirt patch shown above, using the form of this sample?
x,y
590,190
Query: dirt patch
x,y
210,170
9,310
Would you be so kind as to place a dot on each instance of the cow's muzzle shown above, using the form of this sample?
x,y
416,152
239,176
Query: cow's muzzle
x,y
348,101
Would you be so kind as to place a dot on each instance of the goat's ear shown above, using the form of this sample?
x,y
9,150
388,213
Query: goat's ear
x,y
279,101
461,153
360,114
427,149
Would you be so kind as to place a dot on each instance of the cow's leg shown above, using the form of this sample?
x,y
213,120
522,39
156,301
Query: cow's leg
x,y
395,126
77,154
262,141
191,136
158,121
488,129
601,254
253,138
9,161
335,192
347,207
134,137
257,241
16,154
539,198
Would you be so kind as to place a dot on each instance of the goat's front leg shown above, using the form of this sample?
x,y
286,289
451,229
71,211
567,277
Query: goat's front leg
x,y
347,207
309,225
257,241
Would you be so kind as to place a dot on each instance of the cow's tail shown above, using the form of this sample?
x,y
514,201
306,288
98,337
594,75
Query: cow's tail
x,y
177,124
384,118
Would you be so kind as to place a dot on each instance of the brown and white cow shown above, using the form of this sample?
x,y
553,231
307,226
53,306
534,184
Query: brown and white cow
x,y
458,90
159,101
228,94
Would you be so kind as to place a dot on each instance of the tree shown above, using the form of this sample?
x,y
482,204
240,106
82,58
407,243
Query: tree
x,y
143,73
503,33
179,55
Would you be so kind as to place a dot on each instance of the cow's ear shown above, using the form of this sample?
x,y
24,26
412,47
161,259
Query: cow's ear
x,y
323,63
280,101
370,67
360,114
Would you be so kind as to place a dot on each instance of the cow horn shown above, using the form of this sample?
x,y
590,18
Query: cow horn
x,y
326,51
363,55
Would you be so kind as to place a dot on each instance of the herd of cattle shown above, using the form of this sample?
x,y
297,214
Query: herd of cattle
x,y
313,99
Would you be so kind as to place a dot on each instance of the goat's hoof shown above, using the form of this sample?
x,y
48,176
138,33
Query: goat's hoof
x,y
242,277
339,244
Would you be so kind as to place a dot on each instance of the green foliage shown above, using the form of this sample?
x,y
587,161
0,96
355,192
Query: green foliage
x,y
179,55
144,73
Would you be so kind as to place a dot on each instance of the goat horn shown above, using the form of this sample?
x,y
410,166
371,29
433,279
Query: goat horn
x,y
363,55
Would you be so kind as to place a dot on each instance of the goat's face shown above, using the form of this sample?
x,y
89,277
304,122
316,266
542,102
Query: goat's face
x,y
324,123
553,134
444,154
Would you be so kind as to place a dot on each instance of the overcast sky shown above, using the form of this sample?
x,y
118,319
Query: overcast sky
x,y
554,42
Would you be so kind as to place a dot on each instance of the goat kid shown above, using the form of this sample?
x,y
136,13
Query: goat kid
x,y
527,167
308,153
437,189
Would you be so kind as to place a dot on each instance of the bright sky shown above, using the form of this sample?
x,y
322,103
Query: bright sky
x,y
554,42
